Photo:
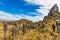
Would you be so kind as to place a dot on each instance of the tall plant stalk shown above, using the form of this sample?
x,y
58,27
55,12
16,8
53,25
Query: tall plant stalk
x,y
5,29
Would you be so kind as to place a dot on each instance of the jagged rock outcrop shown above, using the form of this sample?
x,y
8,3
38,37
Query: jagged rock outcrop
x,y
54,9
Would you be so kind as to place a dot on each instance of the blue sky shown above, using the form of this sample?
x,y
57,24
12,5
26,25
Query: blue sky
x,y
33,10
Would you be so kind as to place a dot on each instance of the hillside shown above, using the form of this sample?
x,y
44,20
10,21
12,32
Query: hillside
x,y
48,29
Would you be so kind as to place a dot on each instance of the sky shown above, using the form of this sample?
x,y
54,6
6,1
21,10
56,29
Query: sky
x,y
34,10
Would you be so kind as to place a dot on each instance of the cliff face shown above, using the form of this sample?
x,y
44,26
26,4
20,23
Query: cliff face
x,y
48,29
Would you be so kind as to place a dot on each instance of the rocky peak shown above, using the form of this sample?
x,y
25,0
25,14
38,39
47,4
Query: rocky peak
x,y
54,9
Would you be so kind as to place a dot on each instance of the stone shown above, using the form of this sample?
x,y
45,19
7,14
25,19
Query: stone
x,y
54,9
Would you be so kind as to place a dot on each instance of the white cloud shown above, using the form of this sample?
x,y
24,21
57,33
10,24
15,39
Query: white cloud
x,y
8,16
47,4
33,19
43,11
18,16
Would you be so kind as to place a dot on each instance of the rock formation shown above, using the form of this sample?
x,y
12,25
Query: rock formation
x,y
54,9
